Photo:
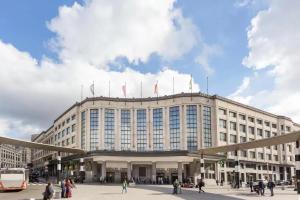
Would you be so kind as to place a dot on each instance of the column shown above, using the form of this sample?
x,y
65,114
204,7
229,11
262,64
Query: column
x,y
103,170
81,169
129,171
237,170
285,173
202,172
179,171
58,168
154,172
297,164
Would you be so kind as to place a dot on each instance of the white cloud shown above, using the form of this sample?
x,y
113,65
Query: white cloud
x,y
34,94
274,45
203,58
100,31
239,94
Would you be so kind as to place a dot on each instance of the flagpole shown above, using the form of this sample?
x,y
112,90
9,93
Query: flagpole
x,y
191,87
109,92
207,85
157,93
81,95
141,92
173,89
93,92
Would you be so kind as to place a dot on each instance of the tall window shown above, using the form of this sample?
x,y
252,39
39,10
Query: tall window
x,y
141,130
125,130
83,130
207,126
94,129
158,129
174,119
191,127
109,129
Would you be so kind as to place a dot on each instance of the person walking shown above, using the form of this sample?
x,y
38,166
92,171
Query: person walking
x,y
271,186
261,187
251,185
222,182
124,186
63,188
200,185
68,188
217,182
175,187
49,192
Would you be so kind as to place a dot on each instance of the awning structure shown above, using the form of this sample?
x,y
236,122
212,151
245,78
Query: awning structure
x,y
276,140
35,145
281,139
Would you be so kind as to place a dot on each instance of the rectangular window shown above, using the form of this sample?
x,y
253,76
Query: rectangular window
x,y
73,117
207,126
109,129
141,130
73,128
242,117
251,119
222,123
251,130
158,136
274,125
83,130
252,154
243,128
223,137
288,128
68,120
191,127
222,111
275,147
232,114
73,139
267,124
267,134
261,156
233,138
244,154
259,121
94,129
259,132
269,156
125,130
243,139
174,125
233,126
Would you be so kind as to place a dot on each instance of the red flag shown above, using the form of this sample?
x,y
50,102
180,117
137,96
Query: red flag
x,y
124,90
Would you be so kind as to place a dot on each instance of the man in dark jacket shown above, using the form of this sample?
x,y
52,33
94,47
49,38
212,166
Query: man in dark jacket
x,y
261,187
271,186
200,185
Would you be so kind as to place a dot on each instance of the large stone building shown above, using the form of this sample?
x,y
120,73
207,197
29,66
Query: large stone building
x,y
14,157
150,139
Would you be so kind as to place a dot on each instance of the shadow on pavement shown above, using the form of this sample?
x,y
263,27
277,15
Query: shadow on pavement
x,y
186,194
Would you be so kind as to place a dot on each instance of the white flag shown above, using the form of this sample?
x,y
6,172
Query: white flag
x,y
92,88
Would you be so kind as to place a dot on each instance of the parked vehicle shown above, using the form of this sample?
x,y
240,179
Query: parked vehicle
x,y
13,179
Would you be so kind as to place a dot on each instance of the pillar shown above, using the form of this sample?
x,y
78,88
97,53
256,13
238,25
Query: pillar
x,y
129,171
103,170
297,163
285,173
154,172
58,168
202,167
237,170
179,171
81,169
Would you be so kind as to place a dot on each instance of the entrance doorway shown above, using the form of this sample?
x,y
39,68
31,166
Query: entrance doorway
x,y
124,176
110,177
174,176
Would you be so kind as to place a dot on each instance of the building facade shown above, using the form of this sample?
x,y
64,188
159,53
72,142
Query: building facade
x,y
14,157
153,139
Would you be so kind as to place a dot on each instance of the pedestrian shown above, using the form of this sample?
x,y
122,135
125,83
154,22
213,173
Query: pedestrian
x,y
124,186
271,186
63,188
251,185
200,185
261,187
49,192
68,188
175,187
222,182
217,182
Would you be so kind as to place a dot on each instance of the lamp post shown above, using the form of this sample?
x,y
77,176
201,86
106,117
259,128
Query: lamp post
x,y
58,168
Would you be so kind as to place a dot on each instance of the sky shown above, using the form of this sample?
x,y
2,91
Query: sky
x,y
248,49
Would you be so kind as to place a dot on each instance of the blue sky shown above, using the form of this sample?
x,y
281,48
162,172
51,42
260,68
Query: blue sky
x,y
48,49
220,23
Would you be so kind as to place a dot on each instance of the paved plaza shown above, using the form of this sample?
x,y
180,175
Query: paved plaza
x,y
151,192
